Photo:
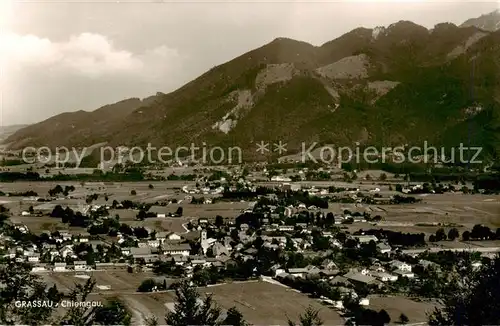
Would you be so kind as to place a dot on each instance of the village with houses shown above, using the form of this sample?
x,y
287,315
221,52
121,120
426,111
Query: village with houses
x,y
329,245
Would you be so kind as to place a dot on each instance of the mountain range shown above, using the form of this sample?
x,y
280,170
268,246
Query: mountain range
x,y
387,86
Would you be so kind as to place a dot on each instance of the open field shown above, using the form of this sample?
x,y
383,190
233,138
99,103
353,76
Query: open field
x,y
463,211
119,280
395,306
261,303
450,208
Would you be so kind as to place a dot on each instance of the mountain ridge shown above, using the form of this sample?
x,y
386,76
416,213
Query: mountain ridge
x,y
343,91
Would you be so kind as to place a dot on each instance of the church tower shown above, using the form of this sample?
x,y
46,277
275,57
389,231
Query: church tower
x,y
203,241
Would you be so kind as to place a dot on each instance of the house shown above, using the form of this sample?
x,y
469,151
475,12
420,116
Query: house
x,y
312,270
286,228
198,261
404,273
338,219
182,249
396,264
365,238
297,272
339,280
218,249
328,264
33,257
126,251
59,267
301,225
180,259
80,265
66,250
53,253
384,248
38,268
385,277
83,237
359,219
172,236
154,243
140,252
359,277
65,235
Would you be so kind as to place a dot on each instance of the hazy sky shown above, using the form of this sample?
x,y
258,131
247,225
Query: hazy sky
x,y
72,55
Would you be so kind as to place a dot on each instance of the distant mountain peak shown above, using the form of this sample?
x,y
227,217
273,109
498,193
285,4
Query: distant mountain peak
x,y
488,22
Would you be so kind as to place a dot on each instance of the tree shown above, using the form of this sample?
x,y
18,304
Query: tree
x,y
309,318
219,221
147,286
466,236
474,301
383,177
188,311
384,317
403,319
19,285
453,234
113,313
440,235
133,192
234,318
151,321
151,186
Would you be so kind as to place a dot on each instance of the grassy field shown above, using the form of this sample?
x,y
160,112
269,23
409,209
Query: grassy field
x,y
462,211
395,306
118,280
261,303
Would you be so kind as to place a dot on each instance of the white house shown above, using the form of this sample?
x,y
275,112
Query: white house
x,y
173,236
178,249
34,257
365,238
364,302
37,269
385,277
404,273
400,265
154,243
80,265
384,248
59,267
66,250
125,251
286,228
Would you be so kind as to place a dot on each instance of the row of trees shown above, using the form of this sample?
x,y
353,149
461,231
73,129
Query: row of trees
x,y
58,189
21,285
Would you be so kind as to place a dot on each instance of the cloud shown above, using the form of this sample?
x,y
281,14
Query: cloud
x,y
42,77
86,54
